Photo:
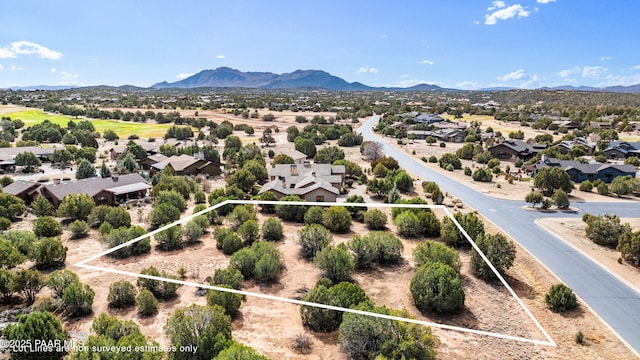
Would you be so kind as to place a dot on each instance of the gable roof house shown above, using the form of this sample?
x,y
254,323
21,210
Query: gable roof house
x,y
311,182
25,190
622,149
517,148
448,135
104,191
580,172
425,118
187,165
565,146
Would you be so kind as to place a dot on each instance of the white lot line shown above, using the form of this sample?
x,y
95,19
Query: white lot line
x,y
548,342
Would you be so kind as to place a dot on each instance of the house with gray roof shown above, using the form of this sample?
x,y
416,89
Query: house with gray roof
x,y
580,172
565,145
516,148
622,149
104,191
311,182
25,190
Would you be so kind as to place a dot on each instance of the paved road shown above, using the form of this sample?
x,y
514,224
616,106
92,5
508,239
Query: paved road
x,y
614,301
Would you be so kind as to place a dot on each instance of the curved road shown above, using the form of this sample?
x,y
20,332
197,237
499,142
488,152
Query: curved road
x,y
611,299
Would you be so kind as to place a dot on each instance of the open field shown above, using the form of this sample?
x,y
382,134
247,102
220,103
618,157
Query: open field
x,y
124,129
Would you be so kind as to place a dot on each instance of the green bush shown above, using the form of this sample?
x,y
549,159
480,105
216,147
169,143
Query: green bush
x,y
375,219
313,238
344,295
122,294
229,276
498,249
482,174
365,251
79,229
436,287
337,219
49,253
230,302
432,251
586,186
336,263
560,298
249,232
408,224
314,215
244,260
77,299
146,303
272,229
46,226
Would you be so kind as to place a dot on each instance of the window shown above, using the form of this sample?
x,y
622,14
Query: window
x,y
320,198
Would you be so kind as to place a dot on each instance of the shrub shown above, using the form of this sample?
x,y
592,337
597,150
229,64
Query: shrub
x,y
408,224
375,219
586,186
272,229
230,302
579,337
10,257
163,290
313,238
482,174
605,230
433,159
389,247
79,229
561,199
163,214
42,326
29,283
560,298
76,206
121,235
49,253
229,276
244,260
467,171
436,287
268,268
314,215
450,159
249,232
60,280
4,223
454,237
344,295
301,344
602,189
432,251
365,251
499,251
336,262
366,337
122,294
146,303
170,238
337,219
77,299
46,226
231,244
291,212
193,230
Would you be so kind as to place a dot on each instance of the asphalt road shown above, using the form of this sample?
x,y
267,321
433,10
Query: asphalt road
x,y
611,299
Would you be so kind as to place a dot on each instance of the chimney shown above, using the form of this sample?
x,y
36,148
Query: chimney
x,y
284,182
56,181
544,158
114,177
294,169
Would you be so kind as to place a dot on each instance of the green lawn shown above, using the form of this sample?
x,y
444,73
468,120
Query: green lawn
x,y
123,128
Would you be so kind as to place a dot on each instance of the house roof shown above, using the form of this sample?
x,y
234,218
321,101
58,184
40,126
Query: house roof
x,y
624,147
593,168
297,155
11,152
92,186
125,189
321,170
277,186
20,186
520,146
179,162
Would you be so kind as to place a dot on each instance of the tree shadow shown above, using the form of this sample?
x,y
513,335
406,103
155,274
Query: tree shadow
x,y
464,318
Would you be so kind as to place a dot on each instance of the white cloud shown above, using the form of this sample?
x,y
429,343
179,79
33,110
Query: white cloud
x,y
384,36
219,56
568,72
30,48
6,54
496,5
405,76
606,58
17,68
533,79
506,13
593,71
0,66
68,78
514,75
545,1
427,62
366,69
476,22
637,67
53,70
184,75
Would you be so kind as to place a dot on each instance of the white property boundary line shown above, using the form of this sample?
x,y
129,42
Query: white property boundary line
x,y
548,342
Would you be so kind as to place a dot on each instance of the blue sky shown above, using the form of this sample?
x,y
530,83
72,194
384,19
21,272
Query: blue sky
x,y
465,44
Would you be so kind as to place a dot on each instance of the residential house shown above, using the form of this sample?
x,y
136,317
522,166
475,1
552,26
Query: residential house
x,y
311,182
108,191
449,135
298,157
425,118
25,190
151,147
146,163
565,146
622,149
580,172
516,148
187,165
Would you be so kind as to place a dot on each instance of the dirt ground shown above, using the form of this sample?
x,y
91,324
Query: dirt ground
x,y
270,326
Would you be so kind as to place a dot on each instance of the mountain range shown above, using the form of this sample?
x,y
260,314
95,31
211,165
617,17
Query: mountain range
x,y
225,77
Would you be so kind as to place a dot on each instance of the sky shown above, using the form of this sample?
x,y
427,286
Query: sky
x,y
463,44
